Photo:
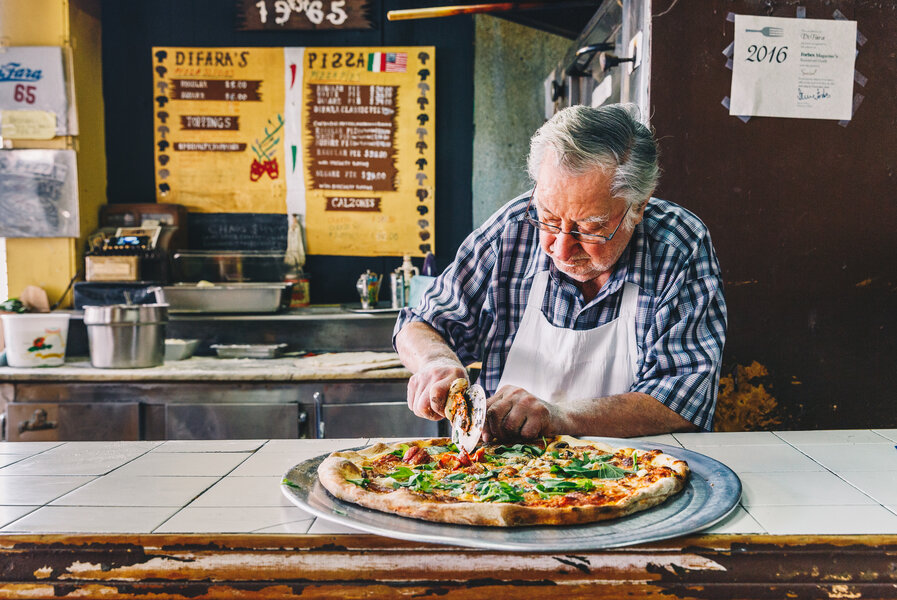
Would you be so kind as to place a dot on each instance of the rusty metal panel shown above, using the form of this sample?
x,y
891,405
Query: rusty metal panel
x,y
802,213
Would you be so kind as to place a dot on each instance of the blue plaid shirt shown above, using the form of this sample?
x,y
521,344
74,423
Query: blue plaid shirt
x,y
477,303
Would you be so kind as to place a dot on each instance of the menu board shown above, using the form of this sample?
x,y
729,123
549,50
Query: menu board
x,y
342,137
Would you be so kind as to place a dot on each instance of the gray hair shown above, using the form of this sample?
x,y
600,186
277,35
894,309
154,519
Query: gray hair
x,y
604,138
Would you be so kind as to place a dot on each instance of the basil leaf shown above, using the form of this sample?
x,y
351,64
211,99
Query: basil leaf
x,y
519,451
455,476
400,451
442,485
488,474
596,471
289,483
363,482
498,491
401,473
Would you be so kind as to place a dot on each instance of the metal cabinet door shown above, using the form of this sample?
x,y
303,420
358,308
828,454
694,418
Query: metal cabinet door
x,y
373,419
231,421
72,421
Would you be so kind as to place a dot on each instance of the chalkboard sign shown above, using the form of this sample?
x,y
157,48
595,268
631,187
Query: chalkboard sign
x,y
237,231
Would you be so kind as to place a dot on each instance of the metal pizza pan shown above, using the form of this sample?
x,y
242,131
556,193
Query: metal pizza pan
x,y
711,493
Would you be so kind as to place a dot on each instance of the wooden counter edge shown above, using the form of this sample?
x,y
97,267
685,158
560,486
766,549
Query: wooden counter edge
x,y
201,566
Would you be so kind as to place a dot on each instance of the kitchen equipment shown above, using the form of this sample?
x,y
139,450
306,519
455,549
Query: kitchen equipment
x,y
125,336
368,287
96,293
35,339
177,349
228,297
397,288
409,272
249,350
476,413
135,241
419,285
711,492
228,266
112,268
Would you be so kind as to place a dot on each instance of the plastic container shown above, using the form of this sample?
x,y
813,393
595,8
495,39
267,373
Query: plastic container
x,y
35,339
176,349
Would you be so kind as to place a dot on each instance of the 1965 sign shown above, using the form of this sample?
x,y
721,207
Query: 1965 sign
x,y
302,14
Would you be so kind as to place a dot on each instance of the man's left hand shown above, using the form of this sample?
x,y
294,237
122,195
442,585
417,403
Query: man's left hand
x,y
513,413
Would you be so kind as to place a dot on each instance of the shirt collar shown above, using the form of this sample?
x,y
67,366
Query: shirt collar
x,y
634,266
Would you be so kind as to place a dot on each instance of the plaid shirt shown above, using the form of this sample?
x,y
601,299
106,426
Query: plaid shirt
x,y
477,303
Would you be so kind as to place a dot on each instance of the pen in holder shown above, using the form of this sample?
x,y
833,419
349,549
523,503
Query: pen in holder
x,y
368,287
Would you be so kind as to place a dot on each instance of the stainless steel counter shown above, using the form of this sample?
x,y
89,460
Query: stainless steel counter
x,y
207,398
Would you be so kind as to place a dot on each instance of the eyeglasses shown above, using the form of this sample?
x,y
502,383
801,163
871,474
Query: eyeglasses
x,y
582,238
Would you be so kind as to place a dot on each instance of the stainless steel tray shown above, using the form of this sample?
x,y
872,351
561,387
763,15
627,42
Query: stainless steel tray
x,y
711,493
249,350
227,297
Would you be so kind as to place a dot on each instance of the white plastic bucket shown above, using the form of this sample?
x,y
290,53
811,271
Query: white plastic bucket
x,y
35,339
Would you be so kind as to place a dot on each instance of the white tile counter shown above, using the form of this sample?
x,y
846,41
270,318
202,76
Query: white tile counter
x,y
810,482
206,519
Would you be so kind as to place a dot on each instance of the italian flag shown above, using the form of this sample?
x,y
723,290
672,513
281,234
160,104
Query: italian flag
x,y
388,62
377,62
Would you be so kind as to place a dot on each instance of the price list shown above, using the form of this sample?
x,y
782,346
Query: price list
x,y
352,137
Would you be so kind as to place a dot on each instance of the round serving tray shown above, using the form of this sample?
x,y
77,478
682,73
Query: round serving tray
x,y
711,493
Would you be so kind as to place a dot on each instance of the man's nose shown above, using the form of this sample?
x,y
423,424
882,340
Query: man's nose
x,y
565,246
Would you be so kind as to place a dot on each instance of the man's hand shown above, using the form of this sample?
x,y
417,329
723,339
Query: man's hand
x,y
428,388
515,414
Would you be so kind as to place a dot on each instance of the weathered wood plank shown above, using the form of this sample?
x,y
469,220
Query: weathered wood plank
x,y
367,566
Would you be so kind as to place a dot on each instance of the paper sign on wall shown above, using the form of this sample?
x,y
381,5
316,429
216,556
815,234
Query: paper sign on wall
x,y
38,193
33,78
799,68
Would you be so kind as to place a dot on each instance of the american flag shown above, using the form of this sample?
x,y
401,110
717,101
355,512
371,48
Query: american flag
x,y
396,62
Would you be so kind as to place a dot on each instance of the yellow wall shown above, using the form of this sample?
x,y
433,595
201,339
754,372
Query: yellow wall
x,y
51,262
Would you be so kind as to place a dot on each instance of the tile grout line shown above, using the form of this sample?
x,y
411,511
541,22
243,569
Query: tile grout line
x,y
214,483
15,462
833,472
94,476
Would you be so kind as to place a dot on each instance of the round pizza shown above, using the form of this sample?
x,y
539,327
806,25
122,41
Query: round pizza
x,y
557,481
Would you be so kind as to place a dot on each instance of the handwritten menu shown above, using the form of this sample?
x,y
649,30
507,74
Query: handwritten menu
x,y
341,137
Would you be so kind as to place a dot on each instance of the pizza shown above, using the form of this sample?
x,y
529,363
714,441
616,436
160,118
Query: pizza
x,y
557,481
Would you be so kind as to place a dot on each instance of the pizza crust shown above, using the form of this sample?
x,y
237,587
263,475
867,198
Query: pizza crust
x,y
334,470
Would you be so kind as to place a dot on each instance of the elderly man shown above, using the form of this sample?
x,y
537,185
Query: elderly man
x,y
594,308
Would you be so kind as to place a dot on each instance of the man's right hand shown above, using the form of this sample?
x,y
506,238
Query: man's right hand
x,y
428,388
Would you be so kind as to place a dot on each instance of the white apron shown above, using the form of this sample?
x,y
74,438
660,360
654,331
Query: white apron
x,y
558,365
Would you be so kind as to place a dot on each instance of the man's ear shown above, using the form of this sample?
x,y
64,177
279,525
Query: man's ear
x,y
639,213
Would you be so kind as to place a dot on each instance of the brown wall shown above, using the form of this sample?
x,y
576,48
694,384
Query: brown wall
x,y
803,214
